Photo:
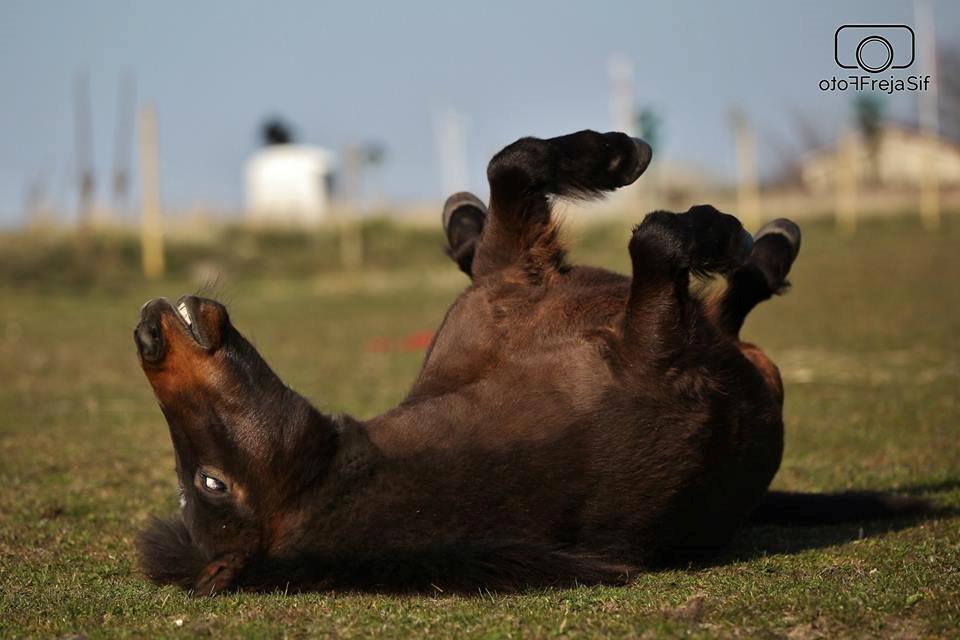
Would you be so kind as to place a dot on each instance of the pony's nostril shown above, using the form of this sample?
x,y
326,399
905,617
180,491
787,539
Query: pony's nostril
x,y
149,340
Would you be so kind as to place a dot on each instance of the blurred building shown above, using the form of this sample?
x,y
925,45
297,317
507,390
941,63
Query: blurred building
x,y
289,184
899,157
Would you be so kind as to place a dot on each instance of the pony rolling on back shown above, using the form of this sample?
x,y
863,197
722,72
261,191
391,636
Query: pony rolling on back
x,y
569,424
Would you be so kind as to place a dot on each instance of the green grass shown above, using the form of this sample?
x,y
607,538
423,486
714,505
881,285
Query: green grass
x,y
868,341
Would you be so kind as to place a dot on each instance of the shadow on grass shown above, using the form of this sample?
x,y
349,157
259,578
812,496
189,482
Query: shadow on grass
x,y
761,539
944,486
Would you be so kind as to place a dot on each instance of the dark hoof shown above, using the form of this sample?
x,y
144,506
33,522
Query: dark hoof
x,y
631,159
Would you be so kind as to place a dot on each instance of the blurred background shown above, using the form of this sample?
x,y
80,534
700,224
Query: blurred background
x,y
168,124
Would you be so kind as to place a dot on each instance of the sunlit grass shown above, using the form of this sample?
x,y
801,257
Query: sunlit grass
x,y
867,341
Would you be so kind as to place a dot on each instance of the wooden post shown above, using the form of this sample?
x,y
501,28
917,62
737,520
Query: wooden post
x,y
83,153
748,189
846,184
151,217
620,78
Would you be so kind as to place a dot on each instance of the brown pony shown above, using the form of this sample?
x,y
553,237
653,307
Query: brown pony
x,y
569,424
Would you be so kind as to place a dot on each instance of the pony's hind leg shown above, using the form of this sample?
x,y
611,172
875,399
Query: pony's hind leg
x,y
775,247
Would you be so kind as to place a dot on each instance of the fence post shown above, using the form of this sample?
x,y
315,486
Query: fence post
x,y
846,184
748,187
930,185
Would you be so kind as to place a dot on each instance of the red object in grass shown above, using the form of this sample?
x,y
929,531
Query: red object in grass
x,y
418,341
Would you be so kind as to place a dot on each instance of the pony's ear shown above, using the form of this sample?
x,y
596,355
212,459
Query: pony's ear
x,y
219,575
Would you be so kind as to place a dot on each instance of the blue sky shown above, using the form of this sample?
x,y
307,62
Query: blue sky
x,y
360,70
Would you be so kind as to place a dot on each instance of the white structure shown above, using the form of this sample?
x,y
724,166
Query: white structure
x,y
623,113
289,183
450,132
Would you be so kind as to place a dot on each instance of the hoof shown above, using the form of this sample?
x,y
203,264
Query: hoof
x,y
631,159
786,228
775,247
463,218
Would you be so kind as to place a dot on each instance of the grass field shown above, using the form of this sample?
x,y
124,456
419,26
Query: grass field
x,y
868,341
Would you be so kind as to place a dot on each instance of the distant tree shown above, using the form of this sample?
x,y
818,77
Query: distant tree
x,y
275,131
649,127
374,153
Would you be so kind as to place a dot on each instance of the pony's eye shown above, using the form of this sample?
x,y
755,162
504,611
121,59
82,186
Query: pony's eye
x,y
212,484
